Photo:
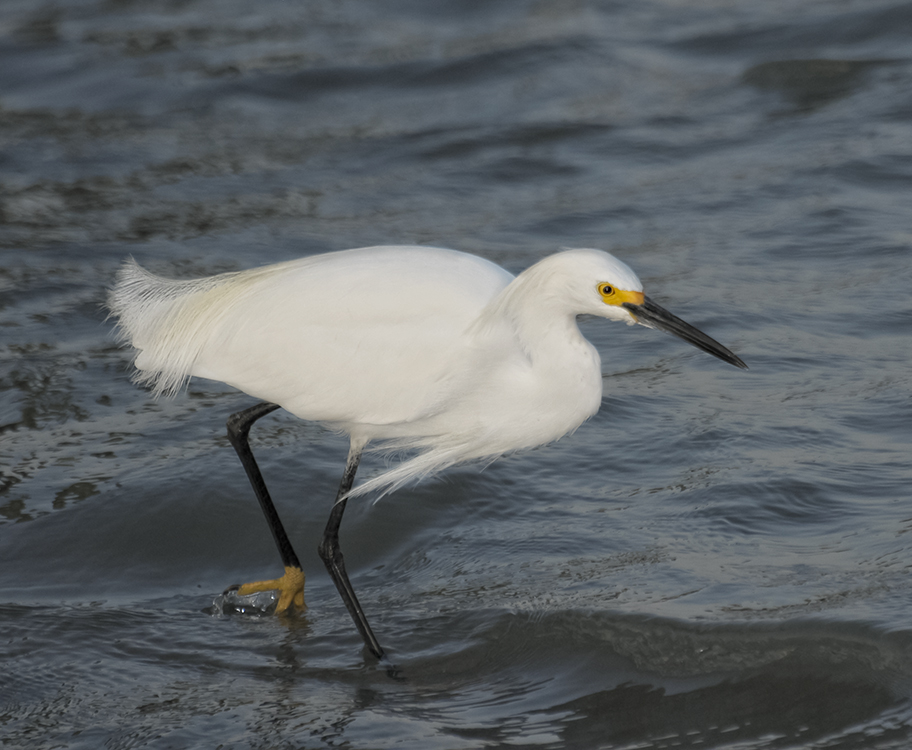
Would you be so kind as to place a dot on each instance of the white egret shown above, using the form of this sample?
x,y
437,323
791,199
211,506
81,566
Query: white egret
x,y
431,350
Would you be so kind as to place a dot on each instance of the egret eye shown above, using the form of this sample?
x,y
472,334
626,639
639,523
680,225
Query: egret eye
x,y
606,290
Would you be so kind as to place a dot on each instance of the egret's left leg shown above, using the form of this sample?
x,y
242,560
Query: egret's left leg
x,y
291,585
331,553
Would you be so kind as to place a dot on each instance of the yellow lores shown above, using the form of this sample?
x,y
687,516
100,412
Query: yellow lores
x,y
614,296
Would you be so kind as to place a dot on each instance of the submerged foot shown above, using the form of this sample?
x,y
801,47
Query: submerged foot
x,y
289,588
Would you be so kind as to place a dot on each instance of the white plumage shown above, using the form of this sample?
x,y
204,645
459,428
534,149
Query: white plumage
x,y
427,348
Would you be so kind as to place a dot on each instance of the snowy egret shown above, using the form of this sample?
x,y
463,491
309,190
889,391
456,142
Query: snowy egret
x,y
434,351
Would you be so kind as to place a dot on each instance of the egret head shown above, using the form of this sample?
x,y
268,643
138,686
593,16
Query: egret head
x,y
616,293
583,281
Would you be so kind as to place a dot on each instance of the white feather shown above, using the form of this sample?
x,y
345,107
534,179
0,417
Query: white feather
x,y
426,349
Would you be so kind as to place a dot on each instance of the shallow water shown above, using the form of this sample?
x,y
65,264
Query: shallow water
x,y
718,559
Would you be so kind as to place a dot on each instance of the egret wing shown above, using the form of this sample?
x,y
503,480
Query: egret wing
x,y
368,336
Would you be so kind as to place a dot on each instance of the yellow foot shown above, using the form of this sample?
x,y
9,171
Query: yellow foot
x,y
290,587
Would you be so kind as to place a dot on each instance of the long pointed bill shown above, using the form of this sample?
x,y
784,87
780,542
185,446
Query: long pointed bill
x,y
654,316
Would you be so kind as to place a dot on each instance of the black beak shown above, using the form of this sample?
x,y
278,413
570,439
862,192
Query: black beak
x,y
654,316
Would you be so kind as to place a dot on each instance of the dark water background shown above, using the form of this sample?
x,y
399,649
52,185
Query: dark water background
x,y
718,559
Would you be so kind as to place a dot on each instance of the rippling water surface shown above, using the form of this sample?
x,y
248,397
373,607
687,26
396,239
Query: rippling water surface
x,y
718,559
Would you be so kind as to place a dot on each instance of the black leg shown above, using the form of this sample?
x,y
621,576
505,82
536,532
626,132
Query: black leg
x,y
331,554
291,585
238,429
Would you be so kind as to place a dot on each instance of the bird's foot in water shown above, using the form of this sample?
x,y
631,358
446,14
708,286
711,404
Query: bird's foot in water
x,y
263,597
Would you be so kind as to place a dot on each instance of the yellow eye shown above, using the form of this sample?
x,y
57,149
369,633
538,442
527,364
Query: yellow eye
x,y
606,290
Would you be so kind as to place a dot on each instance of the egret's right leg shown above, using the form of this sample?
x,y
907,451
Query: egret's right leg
x,y
291,585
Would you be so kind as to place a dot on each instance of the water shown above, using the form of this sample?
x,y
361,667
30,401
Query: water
x,y
718,559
